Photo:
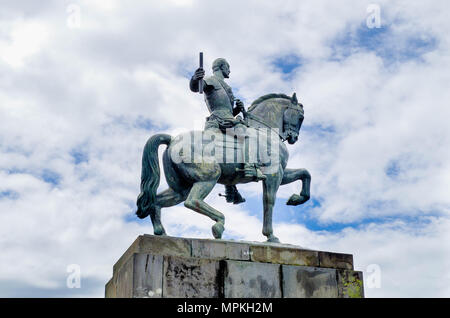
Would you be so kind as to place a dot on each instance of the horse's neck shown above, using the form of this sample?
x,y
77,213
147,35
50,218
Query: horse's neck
x,y
270,114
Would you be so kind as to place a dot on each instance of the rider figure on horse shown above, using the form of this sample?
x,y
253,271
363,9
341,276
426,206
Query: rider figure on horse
x,y
220,100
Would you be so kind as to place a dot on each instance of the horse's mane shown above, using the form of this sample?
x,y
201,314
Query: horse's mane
x,y
266,97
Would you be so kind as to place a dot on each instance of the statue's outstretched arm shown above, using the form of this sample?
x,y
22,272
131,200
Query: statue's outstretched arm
x,y
193,85
195,79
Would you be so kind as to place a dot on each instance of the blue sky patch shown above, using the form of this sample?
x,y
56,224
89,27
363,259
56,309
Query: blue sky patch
x,y
393,169
79,155
51,177
319,129
139,122
131,216
304,215
46,175
9,194
143,123
384,42
288,63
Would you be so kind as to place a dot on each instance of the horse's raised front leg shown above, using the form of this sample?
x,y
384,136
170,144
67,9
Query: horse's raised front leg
x,y
270,188
195,202
165,199
291,175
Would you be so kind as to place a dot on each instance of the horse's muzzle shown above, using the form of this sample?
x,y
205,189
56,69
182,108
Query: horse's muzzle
x,y
292,138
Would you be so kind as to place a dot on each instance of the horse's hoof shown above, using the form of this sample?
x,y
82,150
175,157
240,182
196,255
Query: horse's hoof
x,y
293,200
159,230
217,230
296,199
304,198
273,239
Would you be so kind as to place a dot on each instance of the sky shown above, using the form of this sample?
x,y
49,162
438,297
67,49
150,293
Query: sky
x,y
84,84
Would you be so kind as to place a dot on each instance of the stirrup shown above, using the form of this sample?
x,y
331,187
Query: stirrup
x,y
253,173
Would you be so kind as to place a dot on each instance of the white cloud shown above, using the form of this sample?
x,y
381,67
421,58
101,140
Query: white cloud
x,y
25,39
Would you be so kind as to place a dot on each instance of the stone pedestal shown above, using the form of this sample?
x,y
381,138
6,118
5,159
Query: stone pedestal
x,y
162,266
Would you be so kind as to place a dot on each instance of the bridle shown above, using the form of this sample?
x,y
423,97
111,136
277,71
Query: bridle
x,y
261,121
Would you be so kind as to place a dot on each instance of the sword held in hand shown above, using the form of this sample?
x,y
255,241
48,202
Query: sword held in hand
x,y
200,81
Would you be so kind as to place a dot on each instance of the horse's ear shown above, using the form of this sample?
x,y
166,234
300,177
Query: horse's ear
x,y
294,98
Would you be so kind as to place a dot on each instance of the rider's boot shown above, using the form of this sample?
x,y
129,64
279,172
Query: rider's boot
x,y
253,171
238,197
232,195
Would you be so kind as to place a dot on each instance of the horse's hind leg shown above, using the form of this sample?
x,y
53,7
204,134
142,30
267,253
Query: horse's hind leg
x,y
165,199
195,202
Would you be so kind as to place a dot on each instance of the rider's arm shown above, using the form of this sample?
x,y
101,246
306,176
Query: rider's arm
x,y
239,107
193,83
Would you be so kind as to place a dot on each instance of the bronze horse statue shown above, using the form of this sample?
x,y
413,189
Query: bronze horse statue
x,y
192,181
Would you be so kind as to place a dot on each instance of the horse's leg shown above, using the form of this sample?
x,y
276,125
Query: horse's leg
x,y
165,199
195,202
291,175
270,188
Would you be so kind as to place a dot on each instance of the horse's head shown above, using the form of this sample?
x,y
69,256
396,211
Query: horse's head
x,y
278,111
292,120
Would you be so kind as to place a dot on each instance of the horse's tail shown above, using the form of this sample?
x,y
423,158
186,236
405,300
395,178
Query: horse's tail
x,y
150,175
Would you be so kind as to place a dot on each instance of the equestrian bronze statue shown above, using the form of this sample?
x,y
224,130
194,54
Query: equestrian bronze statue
x,y
230,150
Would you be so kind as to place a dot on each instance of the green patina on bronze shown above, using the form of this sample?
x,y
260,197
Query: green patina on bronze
x,y
350,283
353,288
191,182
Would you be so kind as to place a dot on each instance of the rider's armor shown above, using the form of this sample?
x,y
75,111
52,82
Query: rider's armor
x,y
220,101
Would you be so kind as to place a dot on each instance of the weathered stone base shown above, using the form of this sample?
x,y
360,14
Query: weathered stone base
x,y
155,266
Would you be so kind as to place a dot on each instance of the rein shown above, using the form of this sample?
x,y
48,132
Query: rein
x,y
259,120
